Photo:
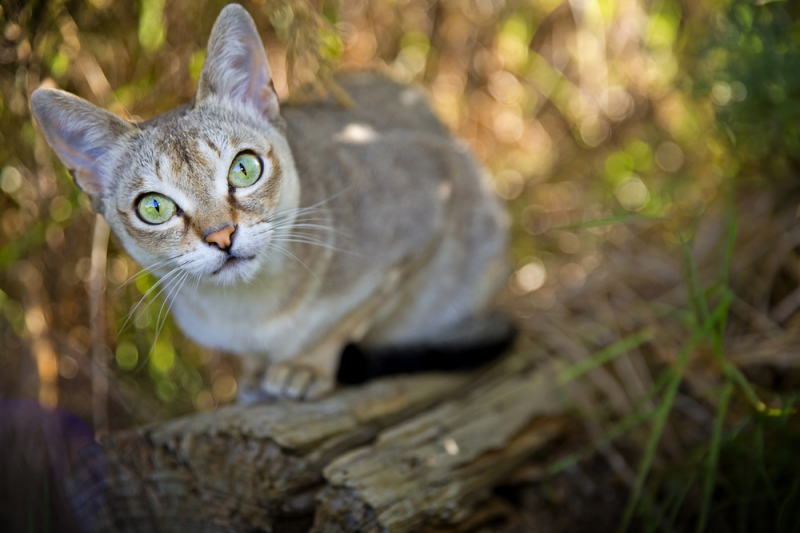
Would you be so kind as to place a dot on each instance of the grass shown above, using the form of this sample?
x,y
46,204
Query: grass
x,y
604,356
659,498
659,417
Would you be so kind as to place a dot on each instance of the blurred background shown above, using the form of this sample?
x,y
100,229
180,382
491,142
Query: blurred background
x,y
648,151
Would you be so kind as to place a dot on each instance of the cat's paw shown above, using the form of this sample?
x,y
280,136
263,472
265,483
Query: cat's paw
x,y
297,381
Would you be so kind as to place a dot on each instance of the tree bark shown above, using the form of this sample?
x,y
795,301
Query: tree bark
x,y
395,454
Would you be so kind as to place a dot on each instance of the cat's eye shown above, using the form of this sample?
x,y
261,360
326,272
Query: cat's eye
x,y
245,170
155,208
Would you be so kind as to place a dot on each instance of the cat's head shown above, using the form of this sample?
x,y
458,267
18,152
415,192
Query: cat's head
x,y
200,189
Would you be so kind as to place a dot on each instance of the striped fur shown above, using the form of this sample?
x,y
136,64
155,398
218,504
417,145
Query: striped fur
x,y
370,225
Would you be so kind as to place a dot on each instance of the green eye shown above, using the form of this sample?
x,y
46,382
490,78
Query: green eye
x,y
155,208
245,170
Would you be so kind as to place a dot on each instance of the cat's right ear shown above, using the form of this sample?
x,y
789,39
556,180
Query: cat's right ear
x,y
80,133
236,67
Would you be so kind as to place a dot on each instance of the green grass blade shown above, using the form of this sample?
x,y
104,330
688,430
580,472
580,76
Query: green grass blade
x,y
719,319
732,373
620,428
730,241
605,355
727,259
652,524
713,456
785,512
600,222
696,292
662,413
673,515
761,466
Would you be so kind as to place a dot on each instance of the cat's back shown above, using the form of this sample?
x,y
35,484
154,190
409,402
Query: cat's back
x,y
389,169
381,105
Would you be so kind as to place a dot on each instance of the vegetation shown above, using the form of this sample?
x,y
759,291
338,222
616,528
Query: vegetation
x,y
648,151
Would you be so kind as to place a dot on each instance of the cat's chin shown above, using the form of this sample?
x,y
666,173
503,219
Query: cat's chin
x,y
235,270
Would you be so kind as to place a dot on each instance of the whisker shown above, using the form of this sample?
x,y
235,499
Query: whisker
x,y
293,228
319,226
305,209
317,243
151,289
290,254
166,287
144,271
175,289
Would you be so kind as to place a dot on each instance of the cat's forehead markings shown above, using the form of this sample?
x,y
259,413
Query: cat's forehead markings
x,y
214,148
181,148
207,152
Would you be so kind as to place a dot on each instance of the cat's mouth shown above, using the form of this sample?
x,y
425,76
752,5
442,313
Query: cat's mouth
x,y
232,261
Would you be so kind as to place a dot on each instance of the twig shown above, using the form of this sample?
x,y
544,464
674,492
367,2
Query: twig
x,y
97,278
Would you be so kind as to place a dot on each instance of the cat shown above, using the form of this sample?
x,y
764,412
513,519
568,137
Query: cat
x,y
283,234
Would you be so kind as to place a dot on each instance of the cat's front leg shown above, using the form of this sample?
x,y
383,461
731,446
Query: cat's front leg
x,y
309,376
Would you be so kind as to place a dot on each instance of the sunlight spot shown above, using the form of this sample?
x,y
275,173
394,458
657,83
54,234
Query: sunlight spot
x,y
224,388
35,321
10,180
205,402
669,156
721,93
504,86
451,447
568,242
67,367
573,275
127,355
445,189
632,194
356,133
531,276
617,104
508,184
163,357
118,270
594,131
508,125
166,390
738,91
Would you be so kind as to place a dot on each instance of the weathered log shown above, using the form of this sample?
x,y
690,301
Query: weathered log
x,y
433,467
241,468
260,467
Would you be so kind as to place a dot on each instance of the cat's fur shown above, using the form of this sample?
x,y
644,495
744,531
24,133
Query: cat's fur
x,y
369,225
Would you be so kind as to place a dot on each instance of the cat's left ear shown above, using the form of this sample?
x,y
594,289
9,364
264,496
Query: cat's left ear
x,y
236,66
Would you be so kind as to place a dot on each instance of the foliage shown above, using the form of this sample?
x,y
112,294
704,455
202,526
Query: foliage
x,y
752,72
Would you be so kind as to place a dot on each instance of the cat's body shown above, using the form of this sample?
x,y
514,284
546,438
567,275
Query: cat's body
x,y
369,225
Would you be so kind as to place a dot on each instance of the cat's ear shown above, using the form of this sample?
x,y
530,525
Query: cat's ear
x,y
80,133
236,66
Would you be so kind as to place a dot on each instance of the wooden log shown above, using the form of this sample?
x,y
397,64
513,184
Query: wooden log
x,y
391,447
241,468
431,469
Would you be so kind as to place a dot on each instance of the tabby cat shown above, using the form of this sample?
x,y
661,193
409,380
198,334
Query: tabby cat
x,y
283,235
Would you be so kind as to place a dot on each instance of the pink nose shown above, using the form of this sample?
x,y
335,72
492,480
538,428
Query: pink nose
x,y
221,238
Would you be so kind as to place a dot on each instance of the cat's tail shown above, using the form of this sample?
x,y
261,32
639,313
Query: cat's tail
x,y
468,346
